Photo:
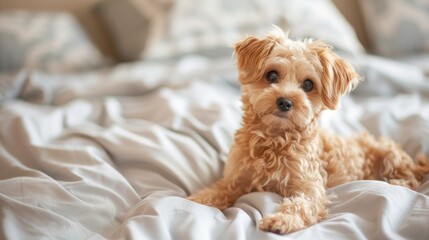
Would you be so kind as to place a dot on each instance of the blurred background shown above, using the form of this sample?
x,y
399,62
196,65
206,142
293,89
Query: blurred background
x,y
99,32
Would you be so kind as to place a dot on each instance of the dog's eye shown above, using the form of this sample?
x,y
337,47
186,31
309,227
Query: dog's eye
x,y
307,85
272,77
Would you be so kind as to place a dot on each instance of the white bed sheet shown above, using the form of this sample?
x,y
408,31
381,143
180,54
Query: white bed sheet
x,y
113,154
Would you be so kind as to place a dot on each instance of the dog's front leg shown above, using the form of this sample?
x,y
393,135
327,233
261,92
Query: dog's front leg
x,y
221,195
305,205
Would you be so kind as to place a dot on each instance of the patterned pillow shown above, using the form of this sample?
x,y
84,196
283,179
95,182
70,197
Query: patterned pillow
x,y
397,27
210,27
52,42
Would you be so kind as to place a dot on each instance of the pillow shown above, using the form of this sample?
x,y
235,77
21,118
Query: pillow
x,y
52,42
126,25
321,20
397,27
210,27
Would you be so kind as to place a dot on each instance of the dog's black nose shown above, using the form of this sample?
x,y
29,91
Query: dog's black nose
x,y
284,104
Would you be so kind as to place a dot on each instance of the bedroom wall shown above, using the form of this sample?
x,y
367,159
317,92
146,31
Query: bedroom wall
x,y
83,9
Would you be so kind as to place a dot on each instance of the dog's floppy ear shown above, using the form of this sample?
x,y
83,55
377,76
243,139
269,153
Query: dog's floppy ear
x,y
338,76
251,54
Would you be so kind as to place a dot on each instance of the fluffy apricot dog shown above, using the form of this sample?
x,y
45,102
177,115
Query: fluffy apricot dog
x,y
285,87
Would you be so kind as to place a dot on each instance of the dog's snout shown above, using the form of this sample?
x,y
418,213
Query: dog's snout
x,y
284,104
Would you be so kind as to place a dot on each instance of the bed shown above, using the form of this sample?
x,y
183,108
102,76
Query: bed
x,y
113,152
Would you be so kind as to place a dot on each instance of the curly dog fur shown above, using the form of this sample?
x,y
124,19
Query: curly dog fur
x,y
285,86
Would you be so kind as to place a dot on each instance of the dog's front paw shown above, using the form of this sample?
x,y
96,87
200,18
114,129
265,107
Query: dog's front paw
x,y
281,223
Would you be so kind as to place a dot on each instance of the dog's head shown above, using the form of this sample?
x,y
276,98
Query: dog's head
x,y
286,84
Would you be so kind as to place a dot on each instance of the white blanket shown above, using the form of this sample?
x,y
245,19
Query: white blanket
x,y
113,154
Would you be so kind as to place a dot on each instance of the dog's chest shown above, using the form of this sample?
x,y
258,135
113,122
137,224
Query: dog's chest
x,y
281,149
276,160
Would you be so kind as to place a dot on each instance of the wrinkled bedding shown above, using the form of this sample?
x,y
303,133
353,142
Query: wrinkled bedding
x,y
112,154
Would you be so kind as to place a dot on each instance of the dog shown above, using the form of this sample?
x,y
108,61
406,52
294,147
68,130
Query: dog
x,y
286,85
